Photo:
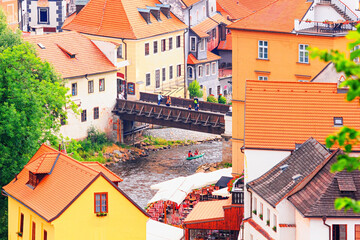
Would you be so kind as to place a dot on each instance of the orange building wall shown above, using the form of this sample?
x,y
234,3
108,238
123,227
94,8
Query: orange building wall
x,y
10,8
282,65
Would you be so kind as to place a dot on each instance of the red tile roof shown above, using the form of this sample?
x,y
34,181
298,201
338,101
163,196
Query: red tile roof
x,y
210,57
280,114
88,59
189,3
208,24
235,9
277,16
42,164
121,19
227,44
209,210
100,168
57,190
258,228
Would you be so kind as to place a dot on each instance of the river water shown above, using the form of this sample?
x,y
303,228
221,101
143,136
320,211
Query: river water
x,y
160,166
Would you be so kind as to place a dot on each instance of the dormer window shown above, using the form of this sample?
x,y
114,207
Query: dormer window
x,y
145,13
165,9
338,121
155,11
34,179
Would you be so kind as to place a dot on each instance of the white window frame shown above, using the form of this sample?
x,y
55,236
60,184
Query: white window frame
x,y
171,71
159,78
193,75
303,53
194,44
103,88
207,66
48,15
161,45
261,46
163,76
157,47
200,73
263,78
145,49
172,43
178,36
213,68
146,79
255,205
202,44
93,87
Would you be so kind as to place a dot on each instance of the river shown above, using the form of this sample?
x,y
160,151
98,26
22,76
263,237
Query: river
x,y
160,166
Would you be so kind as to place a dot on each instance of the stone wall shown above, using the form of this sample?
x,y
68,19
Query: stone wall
x,y
226,148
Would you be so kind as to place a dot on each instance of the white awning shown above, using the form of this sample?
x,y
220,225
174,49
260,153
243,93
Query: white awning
x,y
160,231
177,189
221,192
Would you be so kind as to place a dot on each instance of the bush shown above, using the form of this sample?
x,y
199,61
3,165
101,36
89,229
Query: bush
x,y
211,99
194,89
222,100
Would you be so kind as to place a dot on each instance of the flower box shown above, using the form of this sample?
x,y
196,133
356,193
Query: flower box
x,y
274,228
101,214
19,234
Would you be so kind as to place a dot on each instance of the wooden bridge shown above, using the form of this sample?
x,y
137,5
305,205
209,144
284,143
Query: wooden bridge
x,y
184,103
170,116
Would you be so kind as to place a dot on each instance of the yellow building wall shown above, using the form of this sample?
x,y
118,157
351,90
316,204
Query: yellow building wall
x,y
123,221
15,210
282,65
10,8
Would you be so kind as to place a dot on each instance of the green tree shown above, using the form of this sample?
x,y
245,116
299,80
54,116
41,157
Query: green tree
x,y
32,99
347,137
211,99
195,90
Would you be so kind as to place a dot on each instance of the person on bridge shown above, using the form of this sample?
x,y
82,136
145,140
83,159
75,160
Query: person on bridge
x,y
189,107
190,154
196,104
159,98
168,101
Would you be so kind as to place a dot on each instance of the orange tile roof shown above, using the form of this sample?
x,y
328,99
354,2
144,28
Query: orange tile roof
x,y
100,168
227,44
280,114
121,19
210,57
43,163
57,190
235,10
189,3
208,24
209,210
88,57
277,16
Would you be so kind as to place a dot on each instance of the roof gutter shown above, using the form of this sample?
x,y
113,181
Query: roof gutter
x,y
327,225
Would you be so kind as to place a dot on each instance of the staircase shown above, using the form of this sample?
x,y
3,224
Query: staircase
x,y
343,10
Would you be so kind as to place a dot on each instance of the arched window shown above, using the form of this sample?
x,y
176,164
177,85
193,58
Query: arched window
x,y
190,72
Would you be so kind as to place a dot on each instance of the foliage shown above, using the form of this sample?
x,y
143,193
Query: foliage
x,y
261,216
231,182
274,228
32,99
163,142
211,99
222,99
254,212
268,222
194,89
346,137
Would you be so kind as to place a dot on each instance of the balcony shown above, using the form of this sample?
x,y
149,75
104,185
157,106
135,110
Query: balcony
x,y
337,28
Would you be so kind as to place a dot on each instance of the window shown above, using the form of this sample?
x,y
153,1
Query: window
x,y
190,72
155,47
204,13
33,231
163,74
263,50
43,15
262,78
274,220
255,205
210,91
213,68
357,231
200,71
202,44
157,78
45,235
218,90
83,116
178,72
120,52
193,44
91,86
354,49
170,43
147,49
303,53
207,69
261,210
101,85
131,88
148,80
267,216
74,89
338,121
96,112
339,232
21,223
213,33
178,41
101,203
163,45
171,72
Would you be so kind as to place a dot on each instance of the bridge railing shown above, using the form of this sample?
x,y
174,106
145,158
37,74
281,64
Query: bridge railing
x,y
171,116
184,103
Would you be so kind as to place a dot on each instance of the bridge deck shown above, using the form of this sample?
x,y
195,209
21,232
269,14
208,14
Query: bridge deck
x,y
184,103
170,116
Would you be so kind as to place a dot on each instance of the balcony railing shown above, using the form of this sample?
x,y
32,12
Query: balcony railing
x,y
325,27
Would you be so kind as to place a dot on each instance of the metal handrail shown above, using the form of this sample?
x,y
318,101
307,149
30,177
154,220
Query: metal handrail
x,y
342,6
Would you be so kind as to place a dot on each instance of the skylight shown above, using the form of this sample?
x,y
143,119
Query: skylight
x,y
145,13
41,45
338,121
155,11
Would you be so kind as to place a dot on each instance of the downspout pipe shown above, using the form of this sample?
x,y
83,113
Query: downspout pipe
x,y
247,189
327,225
186,53
125,46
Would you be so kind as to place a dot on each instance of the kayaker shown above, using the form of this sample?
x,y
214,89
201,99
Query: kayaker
x,y
168,101
196,152
190,154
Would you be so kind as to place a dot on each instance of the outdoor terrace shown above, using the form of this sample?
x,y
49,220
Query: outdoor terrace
x,y
338,28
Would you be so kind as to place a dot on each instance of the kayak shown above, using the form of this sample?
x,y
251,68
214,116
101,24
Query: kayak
x,y
194,157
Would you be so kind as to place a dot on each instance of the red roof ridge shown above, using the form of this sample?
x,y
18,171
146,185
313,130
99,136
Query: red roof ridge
x,y
102,166
40,159
258,228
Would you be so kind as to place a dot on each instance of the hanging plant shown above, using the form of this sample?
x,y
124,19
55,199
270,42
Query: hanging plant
x,y
231,182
